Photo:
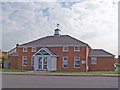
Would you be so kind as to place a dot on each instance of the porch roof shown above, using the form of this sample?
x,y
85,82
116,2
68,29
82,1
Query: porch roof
x,y
48,51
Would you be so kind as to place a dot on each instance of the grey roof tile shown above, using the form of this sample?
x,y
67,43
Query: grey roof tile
x,y
99,52
14,54
55,40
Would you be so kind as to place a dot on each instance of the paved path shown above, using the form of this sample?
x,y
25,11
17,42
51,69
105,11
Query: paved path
x,y
37,81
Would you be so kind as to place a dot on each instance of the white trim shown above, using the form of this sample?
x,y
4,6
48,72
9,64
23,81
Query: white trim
x,y
76,50
40,50
94,58
74,62
83,62
64,49
33,49
24,48
23,60
42,65
63,60
32,60
45,50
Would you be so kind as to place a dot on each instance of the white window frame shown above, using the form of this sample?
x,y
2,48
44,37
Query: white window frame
x,y
76,60
34,49
64,48
23,59
93,60
64,61
77,47
32,61
83,62
24,49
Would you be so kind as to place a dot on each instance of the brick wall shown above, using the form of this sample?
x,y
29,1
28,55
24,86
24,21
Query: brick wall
x,y
29,54
103,64
70,54
59,51
13,61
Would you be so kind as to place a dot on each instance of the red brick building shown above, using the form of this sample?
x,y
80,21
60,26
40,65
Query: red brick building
x,y
60,52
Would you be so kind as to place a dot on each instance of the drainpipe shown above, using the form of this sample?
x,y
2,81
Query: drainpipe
x,y
86,64
87,67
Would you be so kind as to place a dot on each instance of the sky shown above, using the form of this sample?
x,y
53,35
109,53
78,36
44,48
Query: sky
x,y
94,22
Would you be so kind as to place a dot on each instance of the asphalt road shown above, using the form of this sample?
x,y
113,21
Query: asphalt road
x,y
33,81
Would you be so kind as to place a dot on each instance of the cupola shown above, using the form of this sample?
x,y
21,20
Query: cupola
x,y
57,31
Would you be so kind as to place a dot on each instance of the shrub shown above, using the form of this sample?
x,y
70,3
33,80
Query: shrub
x,y
117,64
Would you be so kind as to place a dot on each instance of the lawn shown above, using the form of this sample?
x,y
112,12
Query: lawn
x,y
63,71
89,72
13,70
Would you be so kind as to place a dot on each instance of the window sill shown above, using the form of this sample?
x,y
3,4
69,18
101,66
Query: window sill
x,y
76,50
76,67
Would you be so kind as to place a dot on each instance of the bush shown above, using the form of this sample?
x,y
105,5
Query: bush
x,y
117,64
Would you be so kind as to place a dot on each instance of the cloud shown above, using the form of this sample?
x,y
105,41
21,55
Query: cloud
x,y
92,21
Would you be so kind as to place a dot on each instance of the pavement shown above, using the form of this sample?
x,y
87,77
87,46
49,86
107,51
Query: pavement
x,y
43,73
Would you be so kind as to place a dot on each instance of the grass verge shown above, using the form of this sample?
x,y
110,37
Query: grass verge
x,y
89,72
13,70
63,71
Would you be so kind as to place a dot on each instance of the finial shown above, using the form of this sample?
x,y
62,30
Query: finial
x,y
57,25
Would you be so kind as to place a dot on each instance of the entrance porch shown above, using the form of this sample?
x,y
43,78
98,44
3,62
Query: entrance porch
x,y
44,60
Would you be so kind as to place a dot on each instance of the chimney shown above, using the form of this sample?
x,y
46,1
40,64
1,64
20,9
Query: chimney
x,y
17,45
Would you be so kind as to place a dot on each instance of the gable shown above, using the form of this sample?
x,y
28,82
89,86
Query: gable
x,y
42,52
45,51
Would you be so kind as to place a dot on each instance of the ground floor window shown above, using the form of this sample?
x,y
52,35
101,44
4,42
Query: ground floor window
x,y
76,62
83,62
65,62
93,60
24,60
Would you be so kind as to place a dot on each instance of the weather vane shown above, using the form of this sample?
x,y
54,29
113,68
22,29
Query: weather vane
x,y
57,25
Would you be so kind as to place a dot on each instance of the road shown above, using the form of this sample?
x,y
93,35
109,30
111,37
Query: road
x,y
33,81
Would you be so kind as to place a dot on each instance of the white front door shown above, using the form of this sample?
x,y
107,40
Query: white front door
x,y
42,63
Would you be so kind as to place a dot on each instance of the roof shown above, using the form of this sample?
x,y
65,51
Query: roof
x,y
14,54
99,52
46,50
50,51
55,40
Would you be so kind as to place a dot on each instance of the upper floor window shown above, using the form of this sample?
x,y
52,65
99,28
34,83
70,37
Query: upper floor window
x,y
76,62
65,62
76,48
33,49
24,49
24,60
65,49
93,60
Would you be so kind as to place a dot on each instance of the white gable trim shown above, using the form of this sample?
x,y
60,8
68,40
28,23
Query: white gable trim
x,y
45,50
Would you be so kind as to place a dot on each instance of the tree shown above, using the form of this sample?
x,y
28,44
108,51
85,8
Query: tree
x,y
3,59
